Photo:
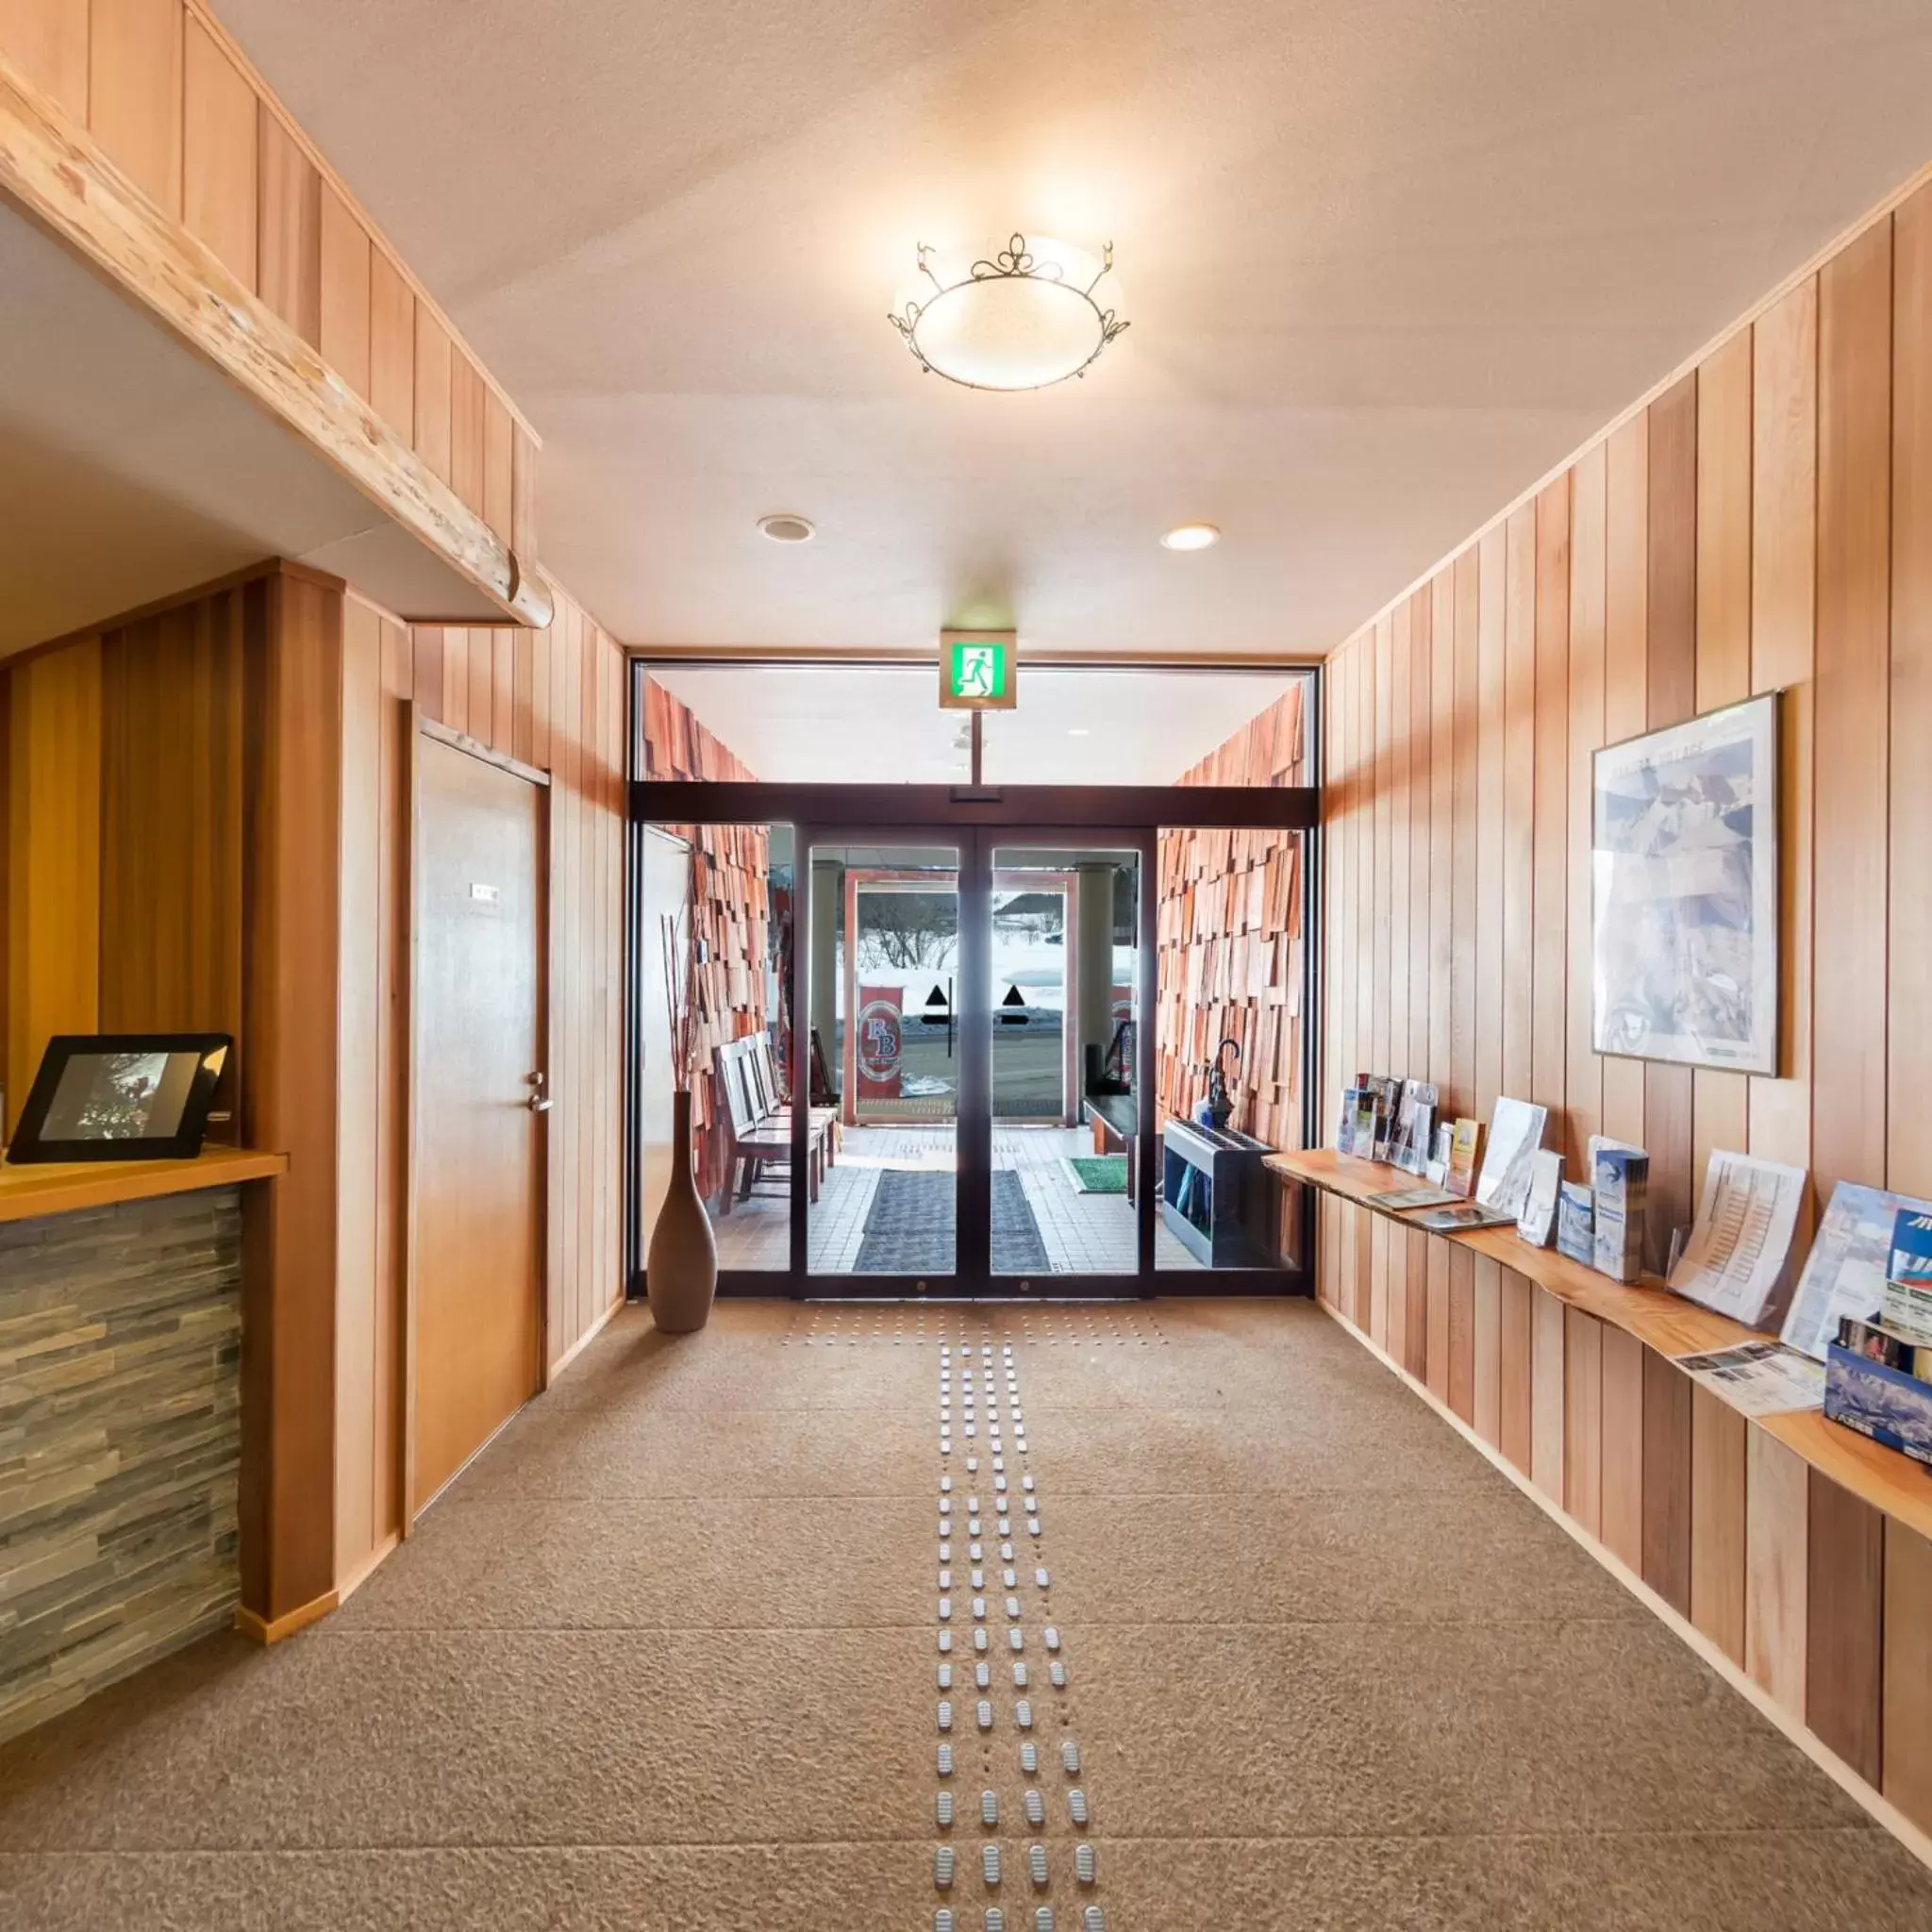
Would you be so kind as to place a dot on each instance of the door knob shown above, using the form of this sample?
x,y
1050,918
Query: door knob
x,y
538,1102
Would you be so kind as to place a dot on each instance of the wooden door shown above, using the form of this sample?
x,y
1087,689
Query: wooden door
x,y
478,1143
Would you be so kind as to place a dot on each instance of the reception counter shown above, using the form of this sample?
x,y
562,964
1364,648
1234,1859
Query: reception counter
x,y
120,1417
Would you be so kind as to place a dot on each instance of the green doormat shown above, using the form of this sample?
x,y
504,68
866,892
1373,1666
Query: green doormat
x,y
1098,1173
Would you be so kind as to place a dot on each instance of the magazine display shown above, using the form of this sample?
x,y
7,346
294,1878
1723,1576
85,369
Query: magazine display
x,y
1737,1260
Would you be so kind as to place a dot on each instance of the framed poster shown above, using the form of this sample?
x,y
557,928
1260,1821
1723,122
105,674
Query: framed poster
x,y
1684,864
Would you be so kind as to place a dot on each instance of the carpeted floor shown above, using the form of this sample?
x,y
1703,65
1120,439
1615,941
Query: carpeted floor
x,y
665,1660
910,1225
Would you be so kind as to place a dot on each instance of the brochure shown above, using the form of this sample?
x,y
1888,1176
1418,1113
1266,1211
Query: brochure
x,y
1537,1224
1739,1257
1908,1279
1516,1133
1760,1378
1846,1270
1465,1218
1401,1200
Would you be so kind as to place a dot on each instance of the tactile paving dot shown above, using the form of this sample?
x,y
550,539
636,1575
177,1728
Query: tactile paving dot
x,y
990,1863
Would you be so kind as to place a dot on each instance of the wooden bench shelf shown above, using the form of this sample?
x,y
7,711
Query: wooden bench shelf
x,y
63,1187
1881,1476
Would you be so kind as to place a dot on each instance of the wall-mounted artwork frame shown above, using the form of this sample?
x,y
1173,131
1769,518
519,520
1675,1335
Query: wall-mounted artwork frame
x,y
121,1096
1684,862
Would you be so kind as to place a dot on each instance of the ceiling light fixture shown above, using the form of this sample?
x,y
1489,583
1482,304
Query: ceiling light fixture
x,y
785,528
1191,537
1077,731
1026,319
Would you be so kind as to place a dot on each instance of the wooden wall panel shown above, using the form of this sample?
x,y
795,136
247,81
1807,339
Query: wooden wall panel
x,y
1720,1104
433,394
466,431
289,230
1852,717
1907,1719
134,92
219,136
54,856
391,345
1909,1047
1670,698
344,301
49,39
1777,1515
172,825
1844,1594
1717,1521
1583,1418
1667,1481
1759,525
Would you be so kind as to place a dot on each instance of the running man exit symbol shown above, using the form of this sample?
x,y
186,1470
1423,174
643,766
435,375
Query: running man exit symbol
x,y
976,671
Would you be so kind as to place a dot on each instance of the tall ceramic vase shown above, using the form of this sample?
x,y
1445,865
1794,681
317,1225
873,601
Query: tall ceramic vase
x,y
681,1270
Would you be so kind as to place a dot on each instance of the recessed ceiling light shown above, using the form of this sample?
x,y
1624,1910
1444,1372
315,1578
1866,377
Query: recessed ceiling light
x,y
1191,537
785,528
1077,731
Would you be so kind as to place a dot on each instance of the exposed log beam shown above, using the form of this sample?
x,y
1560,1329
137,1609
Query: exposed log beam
x,y
56,177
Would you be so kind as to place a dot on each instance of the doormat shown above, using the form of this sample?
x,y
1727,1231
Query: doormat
x,y
909,1229
1098,1173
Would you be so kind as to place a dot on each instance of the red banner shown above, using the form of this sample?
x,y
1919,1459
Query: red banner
x,y
878,1040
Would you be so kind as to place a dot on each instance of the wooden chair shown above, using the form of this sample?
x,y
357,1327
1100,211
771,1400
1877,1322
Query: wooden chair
x,y
824,1129
759,1137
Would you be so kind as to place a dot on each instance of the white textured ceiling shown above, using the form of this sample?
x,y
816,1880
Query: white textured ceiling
x,y
871,723
1386,262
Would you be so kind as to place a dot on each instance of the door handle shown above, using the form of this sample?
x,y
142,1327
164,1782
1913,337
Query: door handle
x,y
538,1102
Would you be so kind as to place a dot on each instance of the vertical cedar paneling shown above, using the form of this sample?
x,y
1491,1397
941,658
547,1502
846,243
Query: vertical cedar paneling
x,y
523,678
344,307
47,40
1909,1047
1670,698
1583,1084
1777,1513
1623,1446
172,825
1549,1022
1486,1346
1719,1102
1907,1720
1491,726
288,231
1416,1351
1462,1333
482,725
1783,479
1514,1364
1626,623
54,856
499,478
1519,802
426,650
218,153
1844,1615
290,973
1717,1521
456,679
540,700
502,680
1441,860
466,435
1382,752
524,495
134,93
1666,1480
1462,1095
1420,831
1583,1418
391,346
1397,889
359,1299
1848,1110
1548,1392
432,398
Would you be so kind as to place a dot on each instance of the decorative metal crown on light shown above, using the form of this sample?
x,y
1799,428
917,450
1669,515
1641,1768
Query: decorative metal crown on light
x,y
1026,319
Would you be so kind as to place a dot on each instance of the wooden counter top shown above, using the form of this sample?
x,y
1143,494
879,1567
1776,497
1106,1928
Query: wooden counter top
x,y
62,1187
1883,1477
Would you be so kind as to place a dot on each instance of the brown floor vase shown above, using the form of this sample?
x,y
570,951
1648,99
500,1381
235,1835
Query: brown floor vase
x,y
681,1270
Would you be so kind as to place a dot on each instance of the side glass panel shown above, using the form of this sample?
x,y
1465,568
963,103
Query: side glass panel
x,y
1066,1060
885,1044
1230,1041
734,882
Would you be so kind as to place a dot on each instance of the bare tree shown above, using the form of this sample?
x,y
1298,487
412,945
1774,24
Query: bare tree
x,y
908,930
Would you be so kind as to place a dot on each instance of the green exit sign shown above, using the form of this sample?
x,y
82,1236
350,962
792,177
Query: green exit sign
x,y
978,670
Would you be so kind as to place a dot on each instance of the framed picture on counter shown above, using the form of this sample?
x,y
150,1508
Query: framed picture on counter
x,y
121,1096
